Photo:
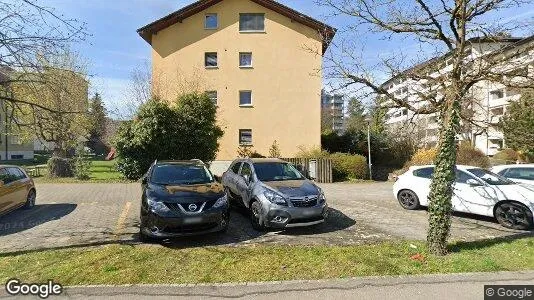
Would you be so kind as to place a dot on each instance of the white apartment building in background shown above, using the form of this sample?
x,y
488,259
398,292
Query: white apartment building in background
x,y
489,100
334,106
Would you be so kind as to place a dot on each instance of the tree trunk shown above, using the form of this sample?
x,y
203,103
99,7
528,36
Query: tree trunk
x,y
59,152
440,204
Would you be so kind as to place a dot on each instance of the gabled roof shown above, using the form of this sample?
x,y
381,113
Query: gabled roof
x,y
147,31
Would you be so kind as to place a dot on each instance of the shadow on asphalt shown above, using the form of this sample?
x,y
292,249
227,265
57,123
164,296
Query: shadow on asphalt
x,y
240,230
21,219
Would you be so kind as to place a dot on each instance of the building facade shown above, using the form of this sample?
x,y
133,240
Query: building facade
x,y
258,60
333,111
12,147
488,100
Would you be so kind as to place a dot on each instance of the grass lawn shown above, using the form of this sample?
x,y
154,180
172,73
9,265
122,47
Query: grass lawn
x,y
102,171
136,264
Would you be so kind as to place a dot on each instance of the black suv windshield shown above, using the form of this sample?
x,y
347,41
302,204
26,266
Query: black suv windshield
x,y
180,174
277,171
490,177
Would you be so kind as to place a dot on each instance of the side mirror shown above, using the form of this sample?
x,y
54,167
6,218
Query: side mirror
x,y
247,178
217,178
144,180
473,182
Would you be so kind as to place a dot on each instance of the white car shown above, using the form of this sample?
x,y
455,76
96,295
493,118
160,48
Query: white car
x,y
476,191
518,173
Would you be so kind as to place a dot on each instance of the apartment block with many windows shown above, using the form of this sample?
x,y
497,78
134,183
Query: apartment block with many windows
x,y
489,99
333,109
259,61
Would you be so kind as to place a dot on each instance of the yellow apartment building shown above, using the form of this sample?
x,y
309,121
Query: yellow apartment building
x,y
260,62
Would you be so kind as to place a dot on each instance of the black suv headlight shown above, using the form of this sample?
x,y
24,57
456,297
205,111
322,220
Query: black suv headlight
x,y
157,206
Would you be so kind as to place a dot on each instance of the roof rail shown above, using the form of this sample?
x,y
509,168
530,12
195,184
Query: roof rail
x,y
197,160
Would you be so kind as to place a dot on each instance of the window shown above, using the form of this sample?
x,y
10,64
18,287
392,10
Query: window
x,y
16,173
252,22
245,98
15,140
245,60
235,168
213,96
245,136
210,59
498,111
211,21
424,172
17,156
6,177
246,170
520,173
185,174
462,177
277,171
497,94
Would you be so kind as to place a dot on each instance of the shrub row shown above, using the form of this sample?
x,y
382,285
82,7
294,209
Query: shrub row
x,y
466,155
344,166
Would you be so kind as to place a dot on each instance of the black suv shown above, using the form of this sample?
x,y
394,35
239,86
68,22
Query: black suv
x,y
181,198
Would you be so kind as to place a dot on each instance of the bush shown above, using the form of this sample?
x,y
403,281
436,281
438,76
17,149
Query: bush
x,y
471,156
344,166
347,166
163,132
507,156
311,153
274,151
60,167
82,165
466,155
423,157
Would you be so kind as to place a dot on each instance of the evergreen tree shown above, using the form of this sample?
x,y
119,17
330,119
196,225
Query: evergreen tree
x,y
97,125
518,124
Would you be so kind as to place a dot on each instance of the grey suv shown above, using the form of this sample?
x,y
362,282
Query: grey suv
x,y
275,192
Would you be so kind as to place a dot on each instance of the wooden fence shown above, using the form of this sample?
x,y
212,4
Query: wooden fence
x,y
323,168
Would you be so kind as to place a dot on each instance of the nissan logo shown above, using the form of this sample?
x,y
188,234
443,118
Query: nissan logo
x,y
192,207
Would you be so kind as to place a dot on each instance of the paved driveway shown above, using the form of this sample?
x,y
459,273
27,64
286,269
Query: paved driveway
x,y
92,214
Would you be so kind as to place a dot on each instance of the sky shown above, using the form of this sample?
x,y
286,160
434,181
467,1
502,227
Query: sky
x,y
114,49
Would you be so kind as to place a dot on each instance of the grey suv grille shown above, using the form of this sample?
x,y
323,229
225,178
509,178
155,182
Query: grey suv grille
x,y
307,201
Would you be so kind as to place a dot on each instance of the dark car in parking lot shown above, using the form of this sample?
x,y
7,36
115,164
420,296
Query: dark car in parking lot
x,y
181,198
16,189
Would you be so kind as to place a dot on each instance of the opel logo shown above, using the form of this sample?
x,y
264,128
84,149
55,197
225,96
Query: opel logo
x,y
192,207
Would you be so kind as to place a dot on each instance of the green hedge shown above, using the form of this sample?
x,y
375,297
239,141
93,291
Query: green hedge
x,y
346,166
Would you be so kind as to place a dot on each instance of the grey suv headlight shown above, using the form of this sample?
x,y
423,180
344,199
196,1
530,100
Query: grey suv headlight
x,y
221,202
275,198
157,206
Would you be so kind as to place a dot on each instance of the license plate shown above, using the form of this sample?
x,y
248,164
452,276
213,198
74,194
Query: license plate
x,y
308,212
193,220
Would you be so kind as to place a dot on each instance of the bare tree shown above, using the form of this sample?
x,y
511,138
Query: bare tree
x,y
28,32
450,31
61,88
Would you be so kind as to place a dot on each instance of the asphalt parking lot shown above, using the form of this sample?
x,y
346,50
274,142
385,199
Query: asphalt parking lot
x,y
69,215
